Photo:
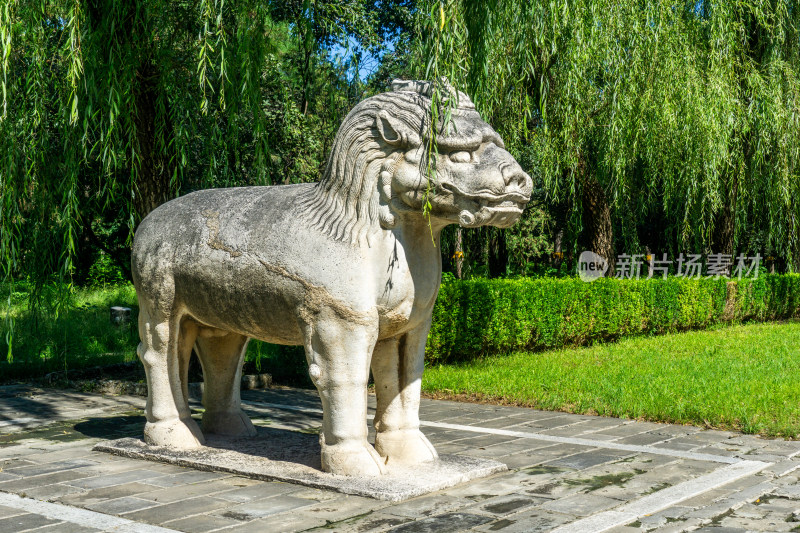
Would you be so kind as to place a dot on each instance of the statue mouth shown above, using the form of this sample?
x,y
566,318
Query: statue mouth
x,y
502,216
487,197
501,210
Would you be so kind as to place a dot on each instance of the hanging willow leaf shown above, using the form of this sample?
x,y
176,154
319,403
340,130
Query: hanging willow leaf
x,y
685,115
110,108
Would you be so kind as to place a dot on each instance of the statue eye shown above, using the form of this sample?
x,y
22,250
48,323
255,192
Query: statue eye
x,y
460,157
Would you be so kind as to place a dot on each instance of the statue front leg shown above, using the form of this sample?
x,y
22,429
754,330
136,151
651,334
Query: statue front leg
x,y
338,356
397,366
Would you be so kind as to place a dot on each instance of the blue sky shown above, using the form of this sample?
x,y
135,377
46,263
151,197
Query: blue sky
x,y
369,62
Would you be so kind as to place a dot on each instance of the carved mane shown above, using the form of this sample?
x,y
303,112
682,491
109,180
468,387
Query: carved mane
x,y
345,202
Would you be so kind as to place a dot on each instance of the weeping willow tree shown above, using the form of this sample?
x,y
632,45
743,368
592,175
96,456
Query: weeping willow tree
x,y
657,125
110,108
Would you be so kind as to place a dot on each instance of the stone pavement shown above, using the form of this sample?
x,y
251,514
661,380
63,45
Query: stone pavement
x,y
566,473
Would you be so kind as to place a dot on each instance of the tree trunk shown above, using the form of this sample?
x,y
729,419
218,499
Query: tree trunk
x,y
152,187
560,212
725,224
498,253
598,231
152,168
458,255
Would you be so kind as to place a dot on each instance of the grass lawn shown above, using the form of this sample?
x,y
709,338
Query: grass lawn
x,y
745,378
79,336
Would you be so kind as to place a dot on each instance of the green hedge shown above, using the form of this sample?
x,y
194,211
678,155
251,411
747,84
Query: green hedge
x,y
471,318
479,317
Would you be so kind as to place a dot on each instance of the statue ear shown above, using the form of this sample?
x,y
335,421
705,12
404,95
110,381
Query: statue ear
x,y
394,132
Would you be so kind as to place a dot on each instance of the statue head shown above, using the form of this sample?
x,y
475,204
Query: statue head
x,y
381,168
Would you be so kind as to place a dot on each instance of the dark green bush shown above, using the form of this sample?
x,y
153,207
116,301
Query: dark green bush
x,y
481,316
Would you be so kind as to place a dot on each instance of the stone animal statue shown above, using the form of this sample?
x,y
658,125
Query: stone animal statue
x,y
348,267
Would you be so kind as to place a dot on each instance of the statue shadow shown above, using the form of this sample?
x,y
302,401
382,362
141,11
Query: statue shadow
x,y
112,427
271,444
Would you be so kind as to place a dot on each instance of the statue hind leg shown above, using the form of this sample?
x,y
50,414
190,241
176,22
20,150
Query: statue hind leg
x,y
221,355
397,366
169,421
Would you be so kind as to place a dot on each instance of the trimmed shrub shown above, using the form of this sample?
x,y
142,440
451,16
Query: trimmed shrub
x,y
480,317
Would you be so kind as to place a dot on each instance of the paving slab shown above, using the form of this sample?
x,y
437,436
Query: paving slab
x,y
52,492
444,523
202,523
27,483
158,514
95,482
25,522
508,504
5,512
258,491
372,522
258,509
66,527
127,504
534,521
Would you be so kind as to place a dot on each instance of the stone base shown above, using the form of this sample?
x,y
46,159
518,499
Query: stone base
x,y
293,457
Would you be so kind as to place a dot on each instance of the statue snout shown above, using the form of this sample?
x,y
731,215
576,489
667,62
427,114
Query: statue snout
x,y
517,180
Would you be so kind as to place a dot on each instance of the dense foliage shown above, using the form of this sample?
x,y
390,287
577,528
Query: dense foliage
x,y
110,108
651,126
80,336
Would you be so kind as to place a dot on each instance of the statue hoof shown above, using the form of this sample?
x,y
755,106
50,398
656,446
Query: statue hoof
x,y
405,446
228,423
347,459
178,433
